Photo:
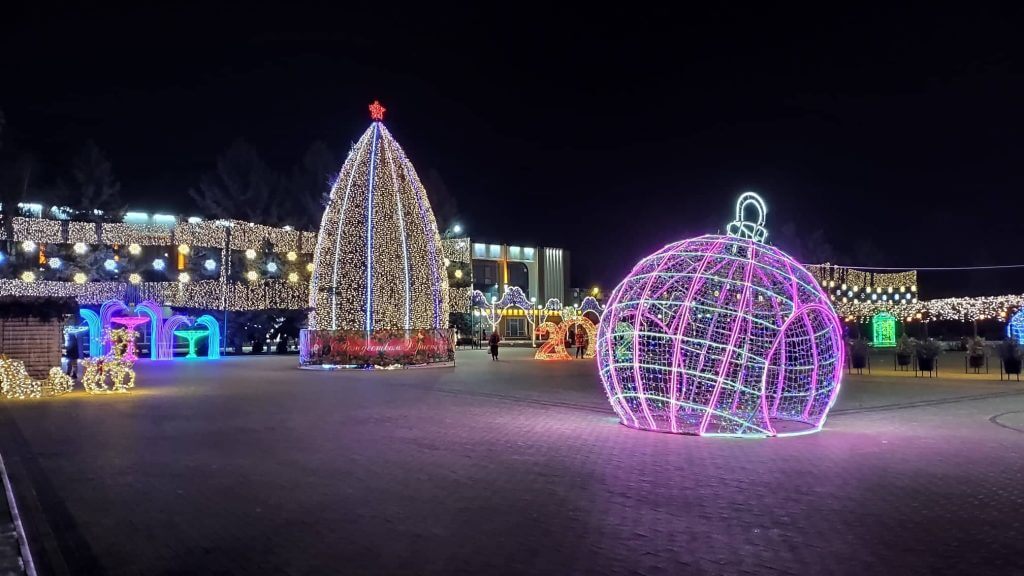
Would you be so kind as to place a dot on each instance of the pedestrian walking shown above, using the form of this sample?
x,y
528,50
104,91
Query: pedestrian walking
x,y
581,343
493,341
71,351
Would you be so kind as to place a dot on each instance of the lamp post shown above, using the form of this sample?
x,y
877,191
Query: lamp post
x,y
533,323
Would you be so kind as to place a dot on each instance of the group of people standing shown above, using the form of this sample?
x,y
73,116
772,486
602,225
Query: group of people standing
x,y
579,338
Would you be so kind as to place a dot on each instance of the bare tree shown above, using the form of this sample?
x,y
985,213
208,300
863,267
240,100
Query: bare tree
x,y
16,179
445,208
96,188
310,185
242,187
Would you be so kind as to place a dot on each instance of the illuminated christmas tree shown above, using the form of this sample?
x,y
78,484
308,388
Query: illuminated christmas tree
x,y
378,262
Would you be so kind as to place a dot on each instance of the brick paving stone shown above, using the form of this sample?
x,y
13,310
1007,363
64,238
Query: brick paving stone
x,y
250,466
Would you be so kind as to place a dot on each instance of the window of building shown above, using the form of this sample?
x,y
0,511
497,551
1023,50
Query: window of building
x,y
519,275
479,250
485,274
515,327
494,251
528,254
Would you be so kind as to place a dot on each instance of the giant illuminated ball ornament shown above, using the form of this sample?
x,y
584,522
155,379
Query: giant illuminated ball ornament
x,y
721,335
378,263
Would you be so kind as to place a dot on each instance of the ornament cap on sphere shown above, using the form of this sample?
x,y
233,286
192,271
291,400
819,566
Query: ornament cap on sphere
x,y
741,228
377,111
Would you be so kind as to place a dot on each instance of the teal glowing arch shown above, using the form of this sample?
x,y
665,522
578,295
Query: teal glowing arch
x,y
213,340
883,330
167,335
92,320
1015,327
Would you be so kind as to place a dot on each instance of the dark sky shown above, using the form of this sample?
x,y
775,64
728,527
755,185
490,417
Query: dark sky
x,y
895,132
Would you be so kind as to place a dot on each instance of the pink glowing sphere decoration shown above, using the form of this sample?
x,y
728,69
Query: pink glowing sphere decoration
x,y
721,335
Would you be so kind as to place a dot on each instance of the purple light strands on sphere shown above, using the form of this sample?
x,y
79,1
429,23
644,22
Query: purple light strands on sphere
x,y
721,335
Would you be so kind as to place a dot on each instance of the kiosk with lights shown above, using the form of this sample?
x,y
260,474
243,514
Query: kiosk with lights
x,y
883,330
1015,327
379,289
721,335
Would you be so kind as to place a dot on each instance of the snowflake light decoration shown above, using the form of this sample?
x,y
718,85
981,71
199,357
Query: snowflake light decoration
x,y
721,335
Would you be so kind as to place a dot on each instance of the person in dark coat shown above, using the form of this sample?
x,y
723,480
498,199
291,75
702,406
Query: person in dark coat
x,y
71,351
581,343
493,341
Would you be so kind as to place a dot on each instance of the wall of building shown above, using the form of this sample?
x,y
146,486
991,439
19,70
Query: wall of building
x,y
555,273
35,342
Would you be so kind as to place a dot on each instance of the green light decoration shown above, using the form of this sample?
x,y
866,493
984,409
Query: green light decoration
x,y
883,330
192,336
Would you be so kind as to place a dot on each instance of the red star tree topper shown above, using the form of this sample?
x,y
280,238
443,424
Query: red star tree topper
x,y
377,111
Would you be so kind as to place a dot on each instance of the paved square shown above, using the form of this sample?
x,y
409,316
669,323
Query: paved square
x,y
250,466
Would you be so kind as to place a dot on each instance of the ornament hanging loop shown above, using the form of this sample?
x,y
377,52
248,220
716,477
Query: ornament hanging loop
x,y
753,230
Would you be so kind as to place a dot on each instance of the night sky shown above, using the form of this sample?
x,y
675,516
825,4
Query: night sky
x,y
893,136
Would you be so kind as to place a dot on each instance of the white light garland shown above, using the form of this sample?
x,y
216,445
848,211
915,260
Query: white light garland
x,y
961,309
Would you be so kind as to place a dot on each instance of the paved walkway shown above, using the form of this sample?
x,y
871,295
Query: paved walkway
x,y
249,466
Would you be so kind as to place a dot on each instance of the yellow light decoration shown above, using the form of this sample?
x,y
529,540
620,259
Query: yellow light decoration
x,y
252,275
80,278
291,256
184,249
15,383
960,309
114,365
250,254
28,246
554,347
293,277
36,229
134,278
184,278
134,249
458,274
28,276
872,282
81,248
309,267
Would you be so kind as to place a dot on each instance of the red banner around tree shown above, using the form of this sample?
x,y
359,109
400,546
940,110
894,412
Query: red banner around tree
x,y
379,348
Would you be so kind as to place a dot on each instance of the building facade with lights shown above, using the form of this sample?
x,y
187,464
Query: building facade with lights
x,y
541,272
223,265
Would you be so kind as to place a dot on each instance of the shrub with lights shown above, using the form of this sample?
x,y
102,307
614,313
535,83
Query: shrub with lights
x,y
379,290
721,335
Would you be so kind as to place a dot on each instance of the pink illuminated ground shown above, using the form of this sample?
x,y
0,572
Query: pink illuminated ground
x,y
250,466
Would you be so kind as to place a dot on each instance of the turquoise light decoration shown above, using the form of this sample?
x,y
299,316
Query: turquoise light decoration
x,y
191,336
